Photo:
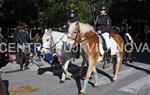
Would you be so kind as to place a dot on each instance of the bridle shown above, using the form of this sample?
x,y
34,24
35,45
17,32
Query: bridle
x,y
78,36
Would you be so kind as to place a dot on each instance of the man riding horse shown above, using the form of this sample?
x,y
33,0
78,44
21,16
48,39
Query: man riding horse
x,y
103,25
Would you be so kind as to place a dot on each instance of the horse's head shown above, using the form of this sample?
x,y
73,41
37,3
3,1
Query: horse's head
x,y
74,34
77,32
46,39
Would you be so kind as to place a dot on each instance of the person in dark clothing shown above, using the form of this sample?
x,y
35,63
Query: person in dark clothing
x,y
23,53
103,25
125,31
103,21
71,19
72,16
125,26
3,57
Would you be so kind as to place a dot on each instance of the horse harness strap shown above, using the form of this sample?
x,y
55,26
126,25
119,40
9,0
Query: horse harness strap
x,y
57,42
80,41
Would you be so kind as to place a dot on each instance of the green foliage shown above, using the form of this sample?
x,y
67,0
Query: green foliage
x,y
54,13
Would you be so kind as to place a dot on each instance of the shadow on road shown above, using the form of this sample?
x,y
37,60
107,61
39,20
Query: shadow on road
x,y
138,68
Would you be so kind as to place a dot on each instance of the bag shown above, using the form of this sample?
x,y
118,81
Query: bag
x,y
48,58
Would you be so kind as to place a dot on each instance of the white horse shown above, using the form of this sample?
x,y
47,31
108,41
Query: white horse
x,y
57,42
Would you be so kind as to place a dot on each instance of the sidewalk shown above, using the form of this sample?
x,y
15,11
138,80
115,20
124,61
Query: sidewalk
x,y
14,67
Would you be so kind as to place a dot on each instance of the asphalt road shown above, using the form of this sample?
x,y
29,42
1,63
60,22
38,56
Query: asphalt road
x,y
134,79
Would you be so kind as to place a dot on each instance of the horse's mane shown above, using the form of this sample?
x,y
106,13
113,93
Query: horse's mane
x,y
82,27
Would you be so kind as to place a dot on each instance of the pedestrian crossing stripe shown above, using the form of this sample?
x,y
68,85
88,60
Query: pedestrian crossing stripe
x,y
122,74
137,86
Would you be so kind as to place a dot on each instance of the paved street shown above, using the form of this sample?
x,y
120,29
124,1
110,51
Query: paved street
x,y
134,79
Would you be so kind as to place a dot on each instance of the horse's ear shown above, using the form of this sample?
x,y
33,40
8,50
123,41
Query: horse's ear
x,y
50,29
77,24
46,30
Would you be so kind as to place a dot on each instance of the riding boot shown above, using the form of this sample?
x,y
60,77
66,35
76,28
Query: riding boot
x,y
108,56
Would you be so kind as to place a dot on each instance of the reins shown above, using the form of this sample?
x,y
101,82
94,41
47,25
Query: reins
x,y
80,41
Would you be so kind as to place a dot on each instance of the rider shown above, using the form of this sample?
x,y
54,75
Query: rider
x,y
125,26
125,30
103,25
72,16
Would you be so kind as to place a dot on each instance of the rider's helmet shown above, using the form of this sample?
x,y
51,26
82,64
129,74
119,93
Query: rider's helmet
x,y
103,7
124,21
72,12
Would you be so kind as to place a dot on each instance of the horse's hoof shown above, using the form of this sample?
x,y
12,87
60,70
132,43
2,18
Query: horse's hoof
x,y
62,81
95,85
114,80
130,61
82,92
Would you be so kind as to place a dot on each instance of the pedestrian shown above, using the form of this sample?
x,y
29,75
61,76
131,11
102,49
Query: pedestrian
x,y
23,53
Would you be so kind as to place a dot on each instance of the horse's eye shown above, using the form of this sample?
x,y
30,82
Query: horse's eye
x,y
75,32
47,39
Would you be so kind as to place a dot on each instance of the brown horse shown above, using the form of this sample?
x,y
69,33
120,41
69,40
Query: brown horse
x,y
85,34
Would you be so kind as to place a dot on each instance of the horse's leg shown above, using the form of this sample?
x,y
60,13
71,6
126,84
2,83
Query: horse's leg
x,y
118,65
82,67
114,64
95,76
84,61
92,63
130,56
68,75
65,71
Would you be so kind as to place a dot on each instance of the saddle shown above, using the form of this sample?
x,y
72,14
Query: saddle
x,y
102,40
106,51
127,38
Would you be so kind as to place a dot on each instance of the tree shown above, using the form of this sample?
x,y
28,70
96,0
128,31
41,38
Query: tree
x,y
16,11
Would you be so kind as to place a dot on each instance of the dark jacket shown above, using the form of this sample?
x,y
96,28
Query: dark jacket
x,y
103,23
125,28
72,19
23,37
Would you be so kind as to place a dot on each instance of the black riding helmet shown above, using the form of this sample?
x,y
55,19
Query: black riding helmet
x,y
72,11
124,21
103,8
